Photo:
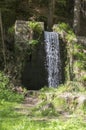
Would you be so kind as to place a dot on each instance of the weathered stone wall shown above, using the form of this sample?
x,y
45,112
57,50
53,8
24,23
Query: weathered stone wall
x,y
23,31
30,57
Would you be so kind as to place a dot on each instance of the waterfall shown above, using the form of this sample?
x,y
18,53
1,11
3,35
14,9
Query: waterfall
x,y
52,58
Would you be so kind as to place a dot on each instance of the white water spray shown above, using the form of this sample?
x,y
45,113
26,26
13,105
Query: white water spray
x,y
53,58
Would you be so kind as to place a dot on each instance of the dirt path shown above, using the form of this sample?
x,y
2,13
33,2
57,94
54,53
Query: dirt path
x,y
38,109
31,100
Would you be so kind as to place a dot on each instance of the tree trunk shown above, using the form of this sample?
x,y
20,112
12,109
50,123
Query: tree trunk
x,y
51,13
3,44
76,24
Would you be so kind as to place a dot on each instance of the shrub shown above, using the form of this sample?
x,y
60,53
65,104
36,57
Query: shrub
x,y
6,93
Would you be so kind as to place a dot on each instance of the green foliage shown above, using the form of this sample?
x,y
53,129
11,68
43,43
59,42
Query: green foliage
x,y
70,36
60,103
4,81
69,86
56,113
78,65
61,27
72,87
75,53
47,89
11,30
6,94
46,115
33,42
84,78
79,52
62,2
79,62
36,29
49,112
22,123
35,26
65,30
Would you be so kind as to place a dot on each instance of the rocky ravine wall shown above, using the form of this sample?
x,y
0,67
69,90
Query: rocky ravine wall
x,y
30,56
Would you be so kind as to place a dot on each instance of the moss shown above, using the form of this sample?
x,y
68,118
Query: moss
x,y
75,62
62,27
11,30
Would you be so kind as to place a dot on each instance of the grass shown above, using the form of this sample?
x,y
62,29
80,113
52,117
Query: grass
x,y
13,121
51,113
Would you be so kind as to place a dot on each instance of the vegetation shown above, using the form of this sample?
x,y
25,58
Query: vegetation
x,y
6,93
51,112
62,108
37,30
75,61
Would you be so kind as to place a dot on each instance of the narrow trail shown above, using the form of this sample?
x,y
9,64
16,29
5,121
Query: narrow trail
x,y
31,107
31,100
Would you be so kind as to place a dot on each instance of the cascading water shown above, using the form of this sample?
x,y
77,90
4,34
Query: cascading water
x,y
53,58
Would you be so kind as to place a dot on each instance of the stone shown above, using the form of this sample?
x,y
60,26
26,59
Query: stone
x,y
81,100
23,31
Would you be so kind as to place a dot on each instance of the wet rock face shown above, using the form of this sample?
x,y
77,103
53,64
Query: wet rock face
x,y
35,74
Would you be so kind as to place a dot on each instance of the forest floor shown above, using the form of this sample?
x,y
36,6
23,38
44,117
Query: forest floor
x,y
32,104
47,109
